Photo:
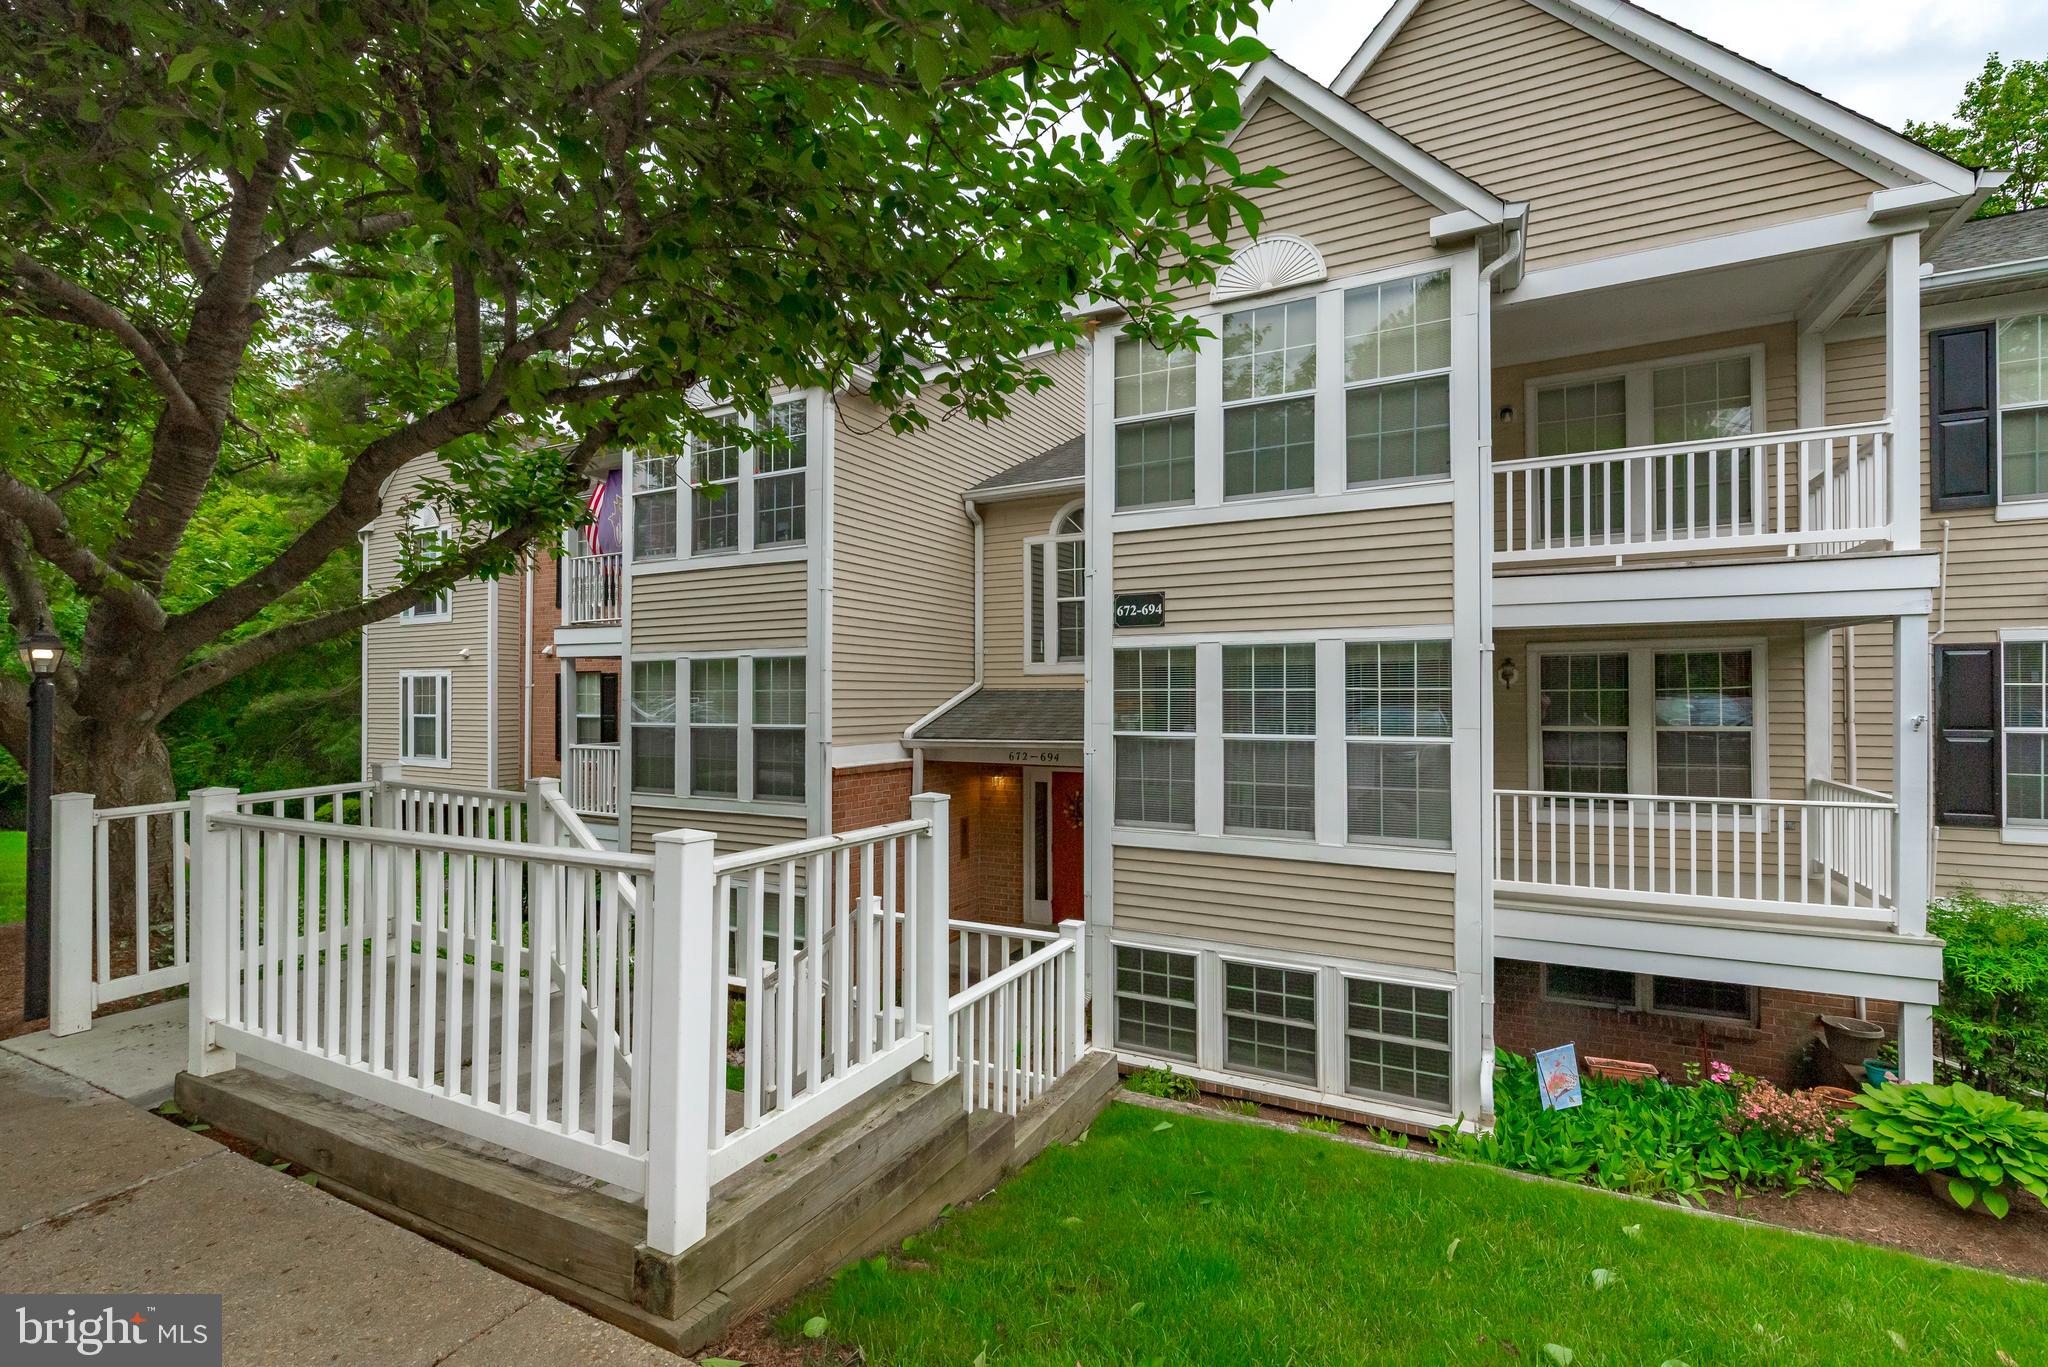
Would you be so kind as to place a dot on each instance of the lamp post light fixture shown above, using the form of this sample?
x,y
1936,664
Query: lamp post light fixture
x,y
40,653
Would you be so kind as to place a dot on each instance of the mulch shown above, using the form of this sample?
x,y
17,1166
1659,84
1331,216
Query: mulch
x,y
13,951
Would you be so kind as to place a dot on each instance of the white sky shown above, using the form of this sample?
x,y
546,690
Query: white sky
x,y
1890,59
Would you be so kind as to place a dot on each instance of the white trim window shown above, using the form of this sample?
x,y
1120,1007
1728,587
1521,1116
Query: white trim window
x,y
425,530
589,702
1397,1042
424,710
2023,408
778,728
1056,594
1706,723
779,472
715,728
1154,722
1269,1020
654,726
1156,1002
715,494
1610,719
1397,380
2025,686
1269,400
1583,717
1397,727
1154,425
654,506
1269,739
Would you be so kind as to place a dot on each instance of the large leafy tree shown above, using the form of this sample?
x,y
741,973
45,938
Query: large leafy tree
x,y
2002,121
315,240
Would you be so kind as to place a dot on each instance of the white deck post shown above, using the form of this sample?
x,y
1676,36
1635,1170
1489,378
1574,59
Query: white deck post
x,y
210,944
385,774
1074,983
1902,384
1913,709
1820,703
1916,1042
685,998
543,827
71,903
930,922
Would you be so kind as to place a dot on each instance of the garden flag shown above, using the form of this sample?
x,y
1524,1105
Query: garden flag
x,y
1557,1077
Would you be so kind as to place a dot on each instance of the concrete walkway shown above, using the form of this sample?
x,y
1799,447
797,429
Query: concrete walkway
x,y
135,1054
98,1196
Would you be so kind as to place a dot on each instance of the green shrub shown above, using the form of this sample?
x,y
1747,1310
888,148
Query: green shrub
x,y
1240,1106
1321,1124
1985,1145
1651,1138
1162,1082
1993,1016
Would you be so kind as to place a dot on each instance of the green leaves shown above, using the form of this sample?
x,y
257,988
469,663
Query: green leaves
x,y
1982,1144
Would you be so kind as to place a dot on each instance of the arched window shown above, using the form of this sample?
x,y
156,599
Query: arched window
x,y
425,533
1055,592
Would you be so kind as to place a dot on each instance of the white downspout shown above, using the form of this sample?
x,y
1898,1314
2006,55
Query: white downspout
x,y
917,751
526,692
1487,277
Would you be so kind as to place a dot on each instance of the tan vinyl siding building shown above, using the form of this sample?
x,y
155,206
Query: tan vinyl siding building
x,y
1616,155
1005,526
721,607
737,832
902,567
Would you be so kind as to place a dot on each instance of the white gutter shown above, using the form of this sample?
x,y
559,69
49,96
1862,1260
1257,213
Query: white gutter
x,y
1986,275
526,669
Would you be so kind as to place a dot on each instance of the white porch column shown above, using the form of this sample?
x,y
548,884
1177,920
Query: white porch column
x,y
71,912
686,1023
1916,1042
1913,710
1820,703
388,775
1073,982
1902,384
211,939
929,924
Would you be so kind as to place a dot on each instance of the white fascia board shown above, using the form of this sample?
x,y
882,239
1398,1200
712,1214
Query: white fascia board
x,y
910,731
1985,275
1036,488
1375,43
1366,136
1844,589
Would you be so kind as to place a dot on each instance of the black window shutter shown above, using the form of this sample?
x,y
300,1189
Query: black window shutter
x,y
555,739
608,709
1967,785
1962,399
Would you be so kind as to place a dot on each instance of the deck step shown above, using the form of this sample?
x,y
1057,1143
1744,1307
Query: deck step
x,y
855,1184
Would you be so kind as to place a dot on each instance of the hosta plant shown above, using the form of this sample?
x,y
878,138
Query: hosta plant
x,y
1984,1145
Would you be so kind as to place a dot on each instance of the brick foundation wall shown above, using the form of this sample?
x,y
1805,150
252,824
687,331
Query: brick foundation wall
x,y
987,835
1524,1021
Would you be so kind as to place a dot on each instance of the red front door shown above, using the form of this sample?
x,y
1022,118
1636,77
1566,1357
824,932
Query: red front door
x,y
1067,829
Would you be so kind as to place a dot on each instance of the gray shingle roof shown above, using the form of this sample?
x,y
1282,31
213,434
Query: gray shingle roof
x,y
1041,716
1062,462
1995,241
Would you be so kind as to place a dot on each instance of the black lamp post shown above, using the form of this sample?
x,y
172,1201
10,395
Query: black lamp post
x,y
40,655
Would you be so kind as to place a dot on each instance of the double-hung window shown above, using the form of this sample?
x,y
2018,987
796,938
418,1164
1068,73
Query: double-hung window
x,y
1585,722
1269,1020
715,728
1706,722
1397,1041
427,542
1155,425
779,477
1397,380
1269,402
778,727
1155,1002
654,726
1269,747
1397,725
2025,702
1055,593
2023,408
715,494
654,506
1154,720
1676,723
423,717
597,708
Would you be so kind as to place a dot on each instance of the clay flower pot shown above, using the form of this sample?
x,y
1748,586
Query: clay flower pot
x,y
1937,1182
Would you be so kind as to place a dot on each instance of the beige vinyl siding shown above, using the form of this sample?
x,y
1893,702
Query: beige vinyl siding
x,y
1376,567
1005,525
392,647
1389,916
1613,155
727,607
511,679
737,832
1784,710
1357,216
903,549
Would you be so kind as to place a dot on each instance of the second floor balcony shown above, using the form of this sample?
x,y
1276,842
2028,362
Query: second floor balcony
x,y
592,590
1810,493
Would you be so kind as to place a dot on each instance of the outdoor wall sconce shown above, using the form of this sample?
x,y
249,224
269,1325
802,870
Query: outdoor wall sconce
x,y
1509,673
1507,413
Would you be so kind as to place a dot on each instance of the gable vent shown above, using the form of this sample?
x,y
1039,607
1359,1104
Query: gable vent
x,y
1271,263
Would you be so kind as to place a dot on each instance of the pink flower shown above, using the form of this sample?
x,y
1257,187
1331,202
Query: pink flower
x,y
1718,1072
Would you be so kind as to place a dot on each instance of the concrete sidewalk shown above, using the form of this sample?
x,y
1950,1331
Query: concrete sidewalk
x,y
98,1196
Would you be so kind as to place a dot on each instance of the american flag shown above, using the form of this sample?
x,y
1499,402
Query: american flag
x,y
593,530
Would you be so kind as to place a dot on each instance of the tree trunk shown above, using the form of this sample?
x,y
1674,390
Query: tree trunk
x,y
124,763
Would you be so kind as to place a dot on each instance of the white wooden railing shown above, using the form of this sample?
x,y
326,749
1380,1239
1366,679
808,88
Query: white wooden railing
x,y
449,809
590,590
981,949
1816,491
590,778
1017,1030
1818,856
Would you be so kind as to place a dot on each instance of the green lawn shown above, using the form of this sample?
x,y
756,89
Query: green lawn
x,y
1173,1239
13,876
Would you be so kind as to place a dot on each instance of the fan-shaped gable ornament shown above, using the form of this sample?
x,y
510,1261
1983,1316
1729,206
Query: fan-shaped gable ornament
x,y
1271,263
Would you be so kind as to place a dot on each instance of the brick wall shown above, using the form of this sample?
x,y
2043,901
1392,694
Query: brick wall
x,y
1524,1021
547,616
987,834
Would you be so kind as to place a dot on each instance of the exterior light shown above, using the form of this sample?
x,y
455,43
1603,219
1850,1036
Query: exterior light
x,y
1508,674
41,654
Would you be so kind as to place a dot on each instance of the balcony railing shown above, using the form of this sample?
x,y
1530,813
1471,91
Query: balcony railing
x,y
590,590
1830,854
1819,491
590,779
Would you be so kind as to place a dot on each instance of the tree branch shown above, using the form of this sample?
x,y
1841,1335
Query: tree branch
x,y
297,246
49,531
72,303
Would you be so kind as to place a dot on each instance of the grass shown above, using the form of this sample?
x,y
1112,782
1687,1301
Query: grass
x,y
13,876
1176,1239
